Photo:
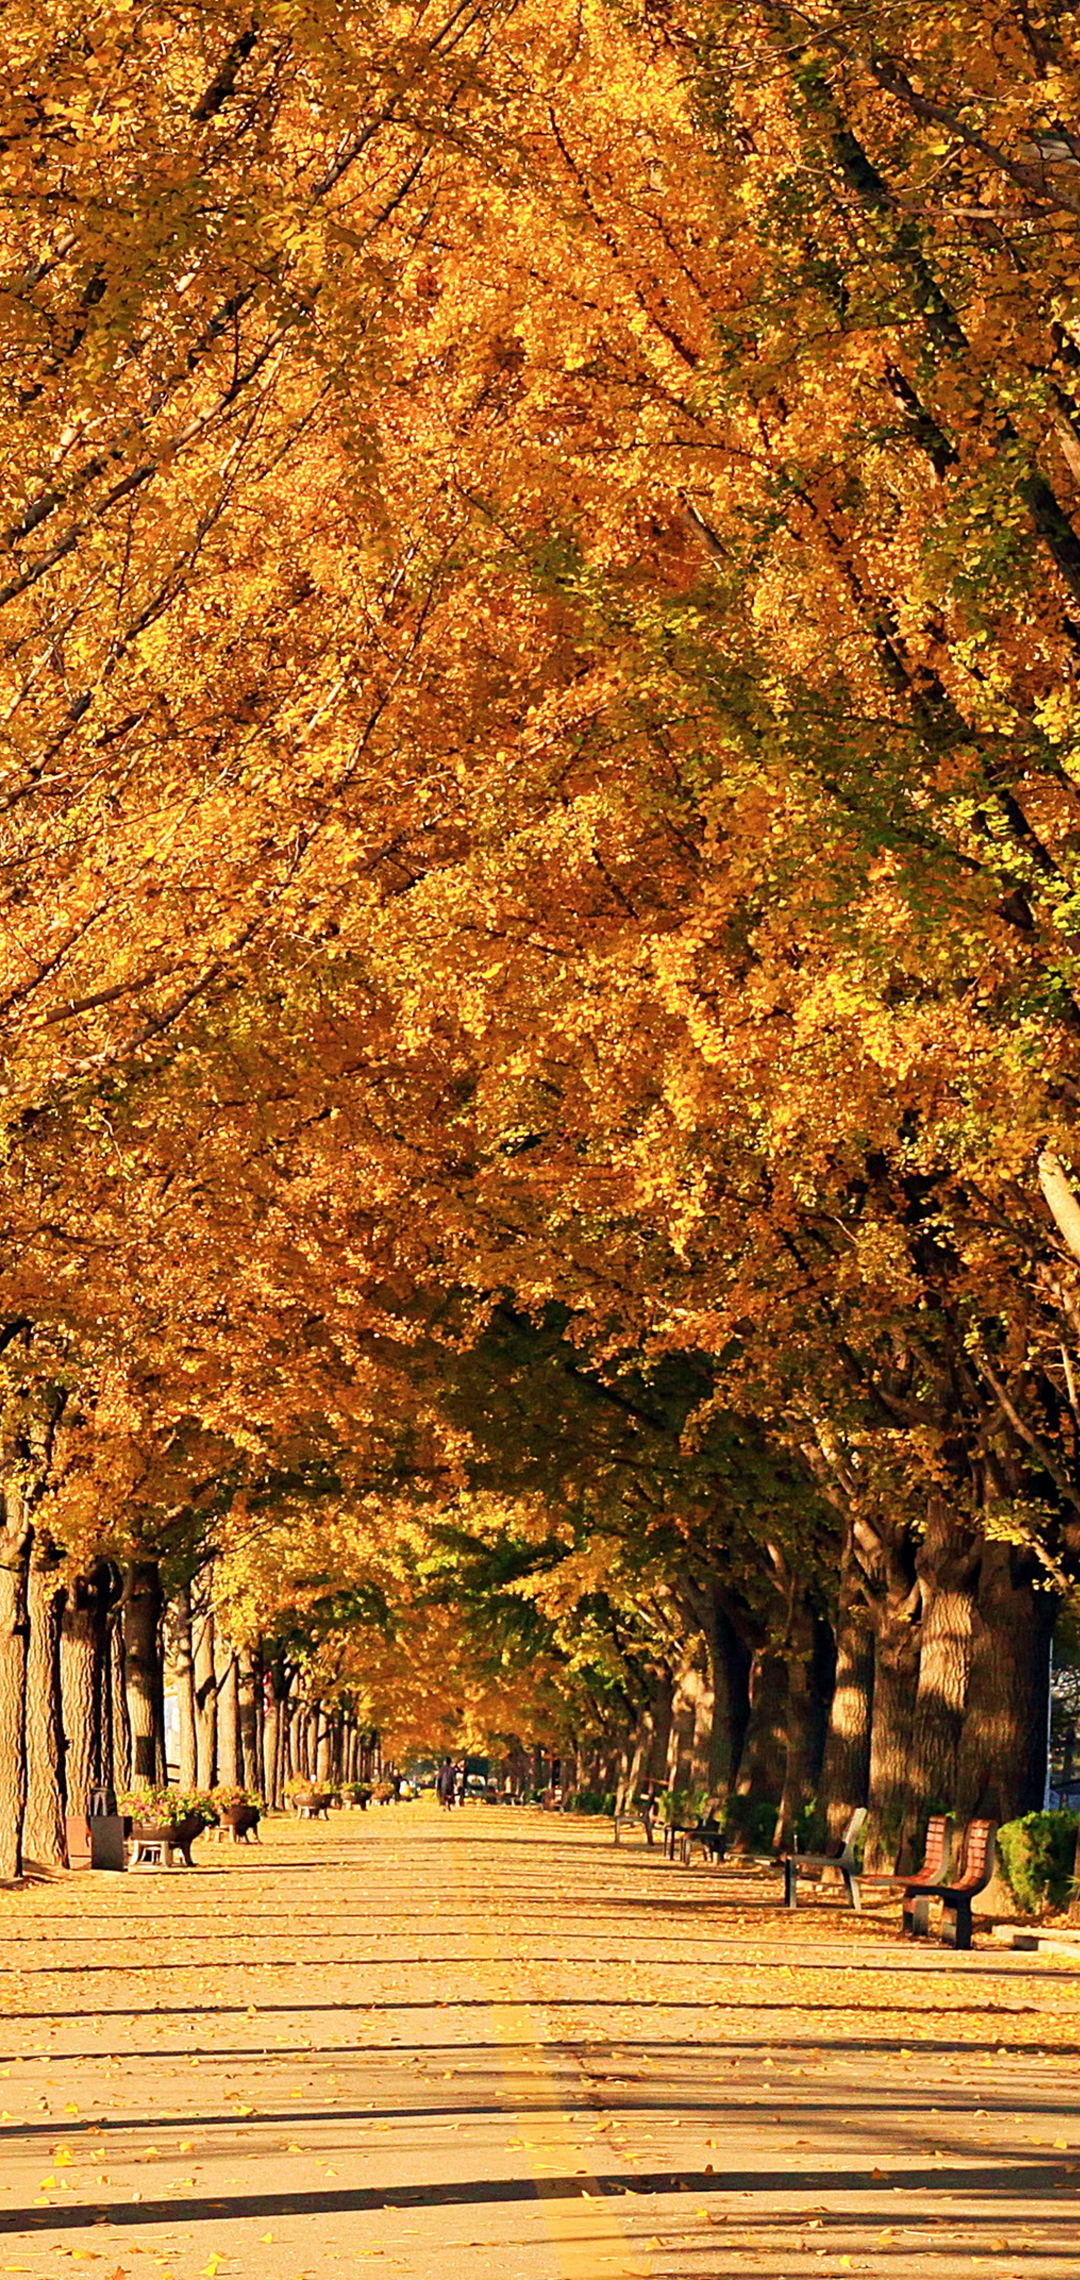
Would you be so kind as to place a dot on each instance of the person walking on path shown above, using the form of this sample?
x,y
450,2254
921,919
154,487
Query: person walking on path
x,y
445,1785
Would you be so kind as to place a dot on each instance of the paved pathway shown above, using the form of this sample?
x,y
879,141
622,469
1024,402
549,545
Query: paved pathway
x,y
489,2046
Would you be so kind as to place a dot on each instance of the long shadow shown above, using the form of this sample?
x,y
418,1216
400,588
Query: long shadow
x,y
928,1966
697,2048
993,2184
866,2045
621,2001
823,2111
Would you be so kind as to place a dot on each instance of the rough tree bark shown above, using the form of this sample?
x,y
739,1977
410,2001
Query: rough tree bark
x,y
247,1682
1001,1761
803,1718
894,1607
693,1717
44,1840
84,1676
300,1729
15,1533
228,1715
645,1757
323,1747
719,1710
845,1773
760,1777
116,1768
205,1699
947,1565
274,1731
188,1747
142,1605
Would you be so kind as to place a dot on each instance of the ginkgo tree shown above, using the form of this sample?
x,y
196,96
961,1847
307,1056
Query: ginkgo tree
x,y
539,747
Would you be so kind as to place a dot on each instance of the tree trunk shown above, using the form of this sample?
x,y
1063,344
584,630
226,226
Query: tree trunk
x,y
205,1700
947,1564
141,1606
732,1664
117,1770
228,1716
274,1731
894,1610
44,1840
294,1740
845,1773
896,1667
760,1779
800,1725
646,1751
271,1749
259,1708
1001,1762
188,1749
250,1770
14,1561
84,1677
324,1747
689,1751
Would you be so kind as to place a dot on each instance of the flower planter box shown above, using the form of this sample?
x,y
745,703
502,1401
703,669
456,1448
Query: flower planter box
x,y
156,1842
240,1822
311,1804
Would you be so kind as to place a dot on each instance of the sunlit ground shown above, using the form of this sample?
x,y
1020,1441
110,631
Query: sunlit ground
x,y
491,2045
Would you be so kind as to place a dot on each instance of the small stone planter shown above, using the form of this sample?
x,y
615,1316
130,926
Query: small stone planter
x,y
158,1842
311,1804
241,1823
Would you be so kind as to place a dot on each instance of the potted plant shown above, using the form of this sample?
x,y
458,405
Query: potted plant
x,y
308,1801
238,1810
173,1817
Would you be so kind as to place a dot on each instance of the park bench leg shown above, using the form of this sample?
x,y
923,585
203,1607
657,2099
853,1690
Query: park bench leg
x,y
917,1916
791,1878
956,1925
853,1892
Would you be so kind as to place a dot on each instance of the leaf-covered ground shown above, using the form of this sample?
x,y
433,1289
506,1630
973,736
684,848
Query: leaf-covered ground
x,y
490,2046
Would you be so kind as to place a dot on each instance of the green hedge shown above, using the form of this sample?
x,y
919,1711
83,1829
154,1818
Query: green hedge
x,y
1037,1856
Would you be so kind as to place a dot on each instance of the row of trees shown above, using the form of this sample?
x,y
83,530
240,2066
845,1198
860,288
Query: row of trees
x,y
538,856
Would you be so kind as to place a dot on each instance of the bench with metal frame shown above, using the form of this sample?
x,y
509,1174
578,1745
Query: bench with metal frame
x,y
956,1896
796,1864
643,1815
681,1836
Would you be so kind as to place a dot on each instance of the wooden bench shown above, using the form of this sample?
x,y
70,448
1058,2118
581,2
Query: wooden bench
x,y
935,1861
933,1870
956,1897
797,1864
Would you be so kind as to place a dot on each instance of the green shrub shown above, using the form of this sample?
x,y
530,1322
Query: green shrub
x,y
591,1801
754,1824
1037,1855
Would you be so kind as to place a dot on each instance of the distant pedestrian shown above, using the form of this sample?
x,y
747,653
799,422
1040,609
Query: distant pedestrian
x,y
445,1784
